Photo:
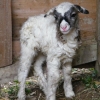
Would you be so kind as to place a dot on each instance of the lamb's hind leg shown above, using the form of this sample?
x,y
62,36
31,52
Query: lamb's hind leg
x,y
67,81
25,62
39,72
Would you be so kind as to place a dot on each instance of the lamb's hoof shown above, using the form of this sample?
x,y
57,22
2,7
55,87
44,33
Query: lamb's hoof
x,y
70,95
21,99
21,96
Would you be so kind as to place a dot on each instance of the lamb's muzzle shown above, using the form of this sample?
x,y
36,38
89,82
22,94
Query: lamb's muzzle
x,y
52,37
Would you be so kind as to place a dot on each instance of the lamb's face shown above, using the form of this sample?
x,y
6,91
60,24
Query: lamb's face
x,y
66,15
66,20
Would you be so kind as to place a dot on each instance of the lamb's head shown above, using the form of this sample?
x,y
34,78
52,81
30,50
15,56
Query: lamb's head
x,y
66,15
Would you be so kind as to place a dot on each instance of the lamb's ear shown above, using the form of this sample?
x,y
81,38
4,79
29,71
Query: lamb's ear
x,y
50,12
81,9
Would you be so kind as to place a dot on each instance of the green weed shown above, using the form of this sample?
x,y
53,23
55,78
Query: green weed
x,y
89,79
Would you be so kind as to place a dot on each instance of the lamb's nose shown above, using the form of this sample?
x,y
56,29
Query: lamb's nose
x,y
64,27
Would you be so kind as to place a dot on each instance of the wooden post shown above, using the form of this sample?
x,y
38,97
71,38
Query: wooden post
x,y
98,38
5,33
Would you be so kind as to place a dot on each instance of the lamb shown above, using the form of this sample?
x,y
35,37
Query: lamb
x,y
52,37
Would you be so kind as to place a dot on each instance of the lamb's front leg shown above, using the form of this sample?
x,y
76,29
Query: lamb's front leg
x,y
53,77
68,89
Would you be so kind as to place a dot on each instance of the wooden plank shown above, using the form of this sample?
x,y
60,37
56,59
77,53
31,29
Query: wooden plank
x,y
85,54
98,38
5,33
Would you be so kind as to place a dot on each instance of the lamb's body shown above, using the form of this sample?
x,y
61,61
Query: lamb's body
x,y
41,38
41,34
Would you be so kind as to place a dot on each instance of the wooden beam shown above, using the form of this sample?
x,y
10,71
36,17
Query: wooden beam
x,y
98,38
86,65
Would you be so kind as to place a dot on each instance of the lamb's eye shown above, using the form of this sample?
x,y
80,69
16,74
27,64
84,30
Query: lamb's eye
x,y
55,17
73,15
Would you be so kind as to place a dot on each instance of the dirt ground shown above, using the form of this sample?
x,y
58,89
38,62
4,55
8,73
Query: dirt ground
x,y
82,93
85,88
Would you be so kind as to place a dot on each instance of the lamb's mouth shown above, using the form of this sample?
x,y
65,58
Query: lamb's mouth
x,y
66,31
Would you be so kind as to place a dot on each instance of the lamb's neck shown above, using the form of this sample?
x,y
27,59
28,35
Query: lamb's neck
x,y
70,37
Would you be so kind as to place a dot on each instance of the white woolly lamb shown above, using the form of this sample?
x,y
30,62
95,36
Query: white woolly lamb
x,y
54,38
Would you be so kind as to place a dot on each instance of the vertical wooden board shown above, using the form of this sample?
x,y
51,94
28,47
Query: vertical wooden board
x,y
98,30
85,54
5,33
98,38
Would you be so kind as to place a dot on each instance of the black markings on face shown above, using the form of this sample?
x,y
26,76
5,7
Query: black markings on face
x,y
70,17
